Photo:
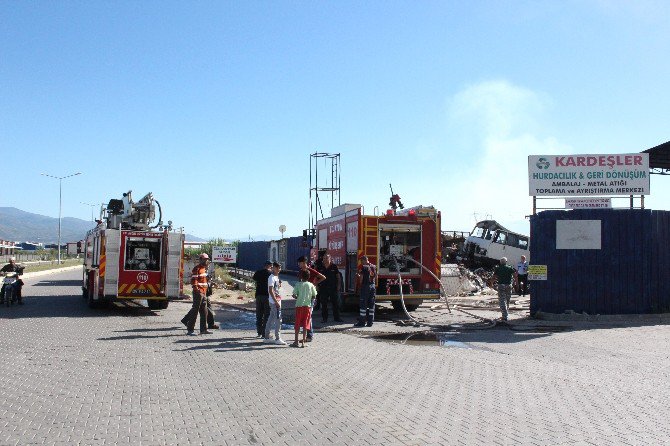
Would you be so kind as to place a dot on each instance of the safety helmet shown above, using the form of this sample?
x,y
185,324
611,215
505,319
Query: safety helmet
x,y
204,256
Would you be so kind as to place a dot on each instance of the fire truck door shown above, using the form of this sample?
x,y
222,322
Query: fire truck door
x,y
351,272
171,281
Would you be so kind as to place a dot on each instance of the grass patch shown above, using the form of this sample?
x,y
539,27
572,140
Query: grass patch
x,y
46,265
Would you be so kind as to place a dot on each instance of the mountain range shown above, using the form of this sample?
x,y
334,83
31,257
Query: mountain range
x,y
17,225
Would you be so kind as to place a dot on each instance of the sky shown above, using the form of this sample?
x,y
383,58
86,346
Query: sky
x,y
215,107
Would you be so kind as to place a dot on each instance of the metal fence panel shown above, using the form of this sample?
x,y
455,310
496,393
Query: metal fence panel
x,y
252,255
627,275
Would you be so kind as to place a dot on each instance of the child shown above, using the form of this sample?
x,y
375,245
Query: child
x,y
304,292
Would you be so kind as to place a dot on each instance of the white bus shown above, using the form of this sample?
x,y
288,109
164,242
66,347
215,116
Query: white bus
x,y
489,241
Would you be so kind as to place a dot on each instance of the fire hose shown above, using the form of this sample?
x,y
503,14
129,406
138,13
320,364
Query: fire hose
x,y
490,323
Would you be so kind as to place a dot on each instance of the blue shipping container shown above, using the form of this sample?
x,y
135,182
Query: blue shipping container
x,y
252,255
295,247
627,275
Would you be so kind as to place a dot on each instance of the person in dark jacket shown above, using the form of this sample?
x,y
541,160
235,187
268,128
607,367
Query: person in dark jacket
x,y
329,289
505,275
262,303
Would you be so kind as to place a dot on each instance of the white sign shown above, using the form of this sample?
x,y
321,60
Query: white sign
x,y
224,254
588,203
352,236
396,250
584,175
578,234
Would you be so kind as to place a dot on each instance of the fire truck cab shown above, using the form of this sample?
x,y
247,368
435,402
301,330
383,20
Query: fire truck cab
x,y
126,259
405,244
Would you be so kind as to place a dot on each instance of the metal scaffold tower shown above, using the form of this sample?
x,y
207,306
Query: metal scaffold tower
x,y
323,183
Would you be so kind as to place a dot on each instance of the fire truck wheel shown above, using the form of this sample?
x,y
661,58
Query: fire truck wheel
x,y
412,307
92,303
163,304
153,304
397,305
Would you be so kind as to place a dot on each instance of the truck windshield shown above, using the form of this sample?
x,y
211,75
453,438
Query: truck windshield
x,y
143,254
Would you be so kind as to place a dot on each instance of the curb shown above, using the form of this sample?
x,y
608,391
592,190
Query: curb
x,y
236,307
585,317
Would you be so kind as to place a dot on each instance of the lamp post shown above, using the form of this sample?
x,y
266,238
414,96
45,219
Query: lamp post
x,y
92,206
60,201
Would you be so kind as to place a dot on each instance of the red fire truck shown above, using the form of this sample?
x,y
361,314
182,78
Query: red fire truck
x,y
128,259
405,242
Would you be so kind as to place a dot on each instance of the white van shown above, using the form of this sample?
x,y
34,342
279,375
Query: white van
x,y
489,241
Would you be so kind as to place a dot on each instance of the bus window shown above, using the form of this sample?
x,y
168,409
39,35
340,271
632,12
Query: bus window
x,y
500,237
478,232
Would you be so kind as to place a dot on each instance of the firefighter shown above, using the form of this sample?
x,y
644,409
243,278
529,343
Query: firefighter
x,y
367,274
199,284
211,324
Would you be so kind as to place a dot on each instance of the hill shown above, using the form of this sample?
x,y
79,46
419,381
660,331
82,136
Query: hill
x,y
18,225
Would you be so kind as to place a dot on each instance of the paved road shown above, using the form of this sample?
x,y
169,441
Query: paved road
x,y
73,375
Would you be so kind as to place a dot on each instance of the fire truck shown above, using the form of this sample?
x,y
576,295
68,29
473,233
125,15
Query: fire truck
x,y
129,259
405,246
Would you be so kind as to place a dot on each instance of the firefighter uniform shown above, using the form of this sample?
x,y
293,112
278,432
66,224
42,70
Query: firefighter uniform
x,y
199,284
211,323
366,303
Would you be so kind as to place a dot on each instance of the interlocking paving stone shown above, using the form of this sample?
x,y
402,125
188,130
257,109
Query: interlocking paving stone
x,y
130,376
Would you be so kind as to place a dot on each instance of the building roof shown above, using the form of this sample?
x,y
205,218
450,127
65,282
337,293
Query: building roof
x,y
659,156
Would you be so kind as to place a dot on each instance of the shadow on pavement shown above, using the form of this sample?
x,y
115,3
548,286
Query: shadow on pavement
x,y
227,344
131,337
70,306
148,330
72,283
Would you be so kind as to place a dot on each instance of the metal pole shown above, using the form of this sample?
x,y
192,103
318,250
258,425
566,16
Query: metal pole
x,y
642,201
60,203
631,202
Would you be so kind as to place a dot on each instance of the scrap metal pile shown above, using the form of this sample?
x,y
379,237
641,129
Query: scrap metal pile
x,y
460,281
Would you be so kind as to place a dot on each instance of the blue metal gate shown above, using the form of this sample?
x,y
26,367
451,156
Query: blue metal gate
x,y
629,274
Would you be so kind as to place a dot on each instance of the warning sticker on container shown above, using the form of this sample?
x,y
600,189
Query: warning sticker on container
x,y
537,272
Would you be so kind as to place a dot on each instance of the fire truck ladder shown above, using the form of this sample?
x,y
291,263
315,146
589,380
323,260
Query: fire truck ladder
x,y
172,282
370,237
112,251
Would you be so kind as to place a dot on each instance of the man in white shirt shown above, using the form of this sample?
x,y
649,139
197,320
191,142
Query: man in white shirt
x,y
522,276
274,321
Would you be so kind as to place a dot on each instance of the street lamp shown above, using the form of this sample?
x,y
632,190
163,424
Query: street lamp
x,y
92,206
60,201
